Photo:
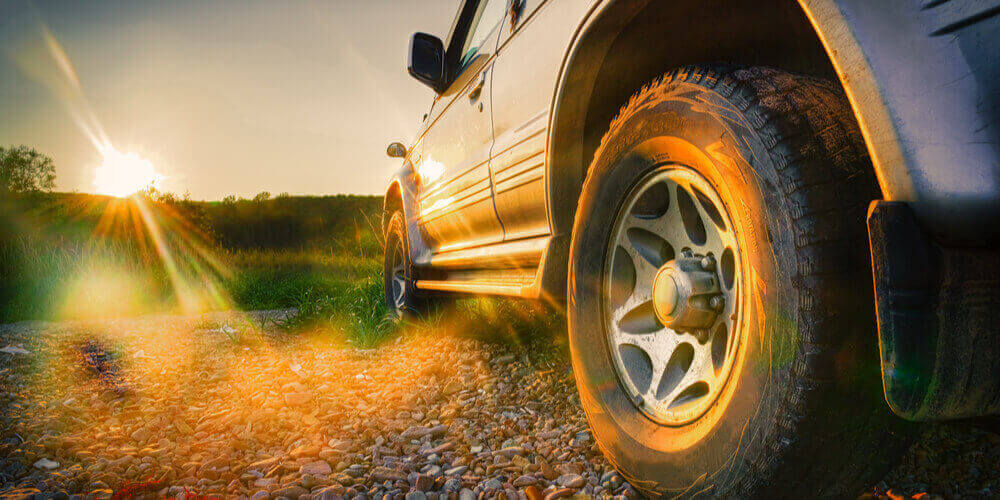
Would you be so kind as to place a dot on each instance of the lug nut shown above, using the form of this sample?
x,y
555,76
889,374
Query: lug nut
x,y
686,253
707,263
701,334
718,302
639,401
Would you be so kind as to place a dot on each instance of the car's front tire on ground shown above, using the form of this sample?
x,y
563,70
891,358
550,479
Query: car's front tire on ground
x,y
402,300
728,204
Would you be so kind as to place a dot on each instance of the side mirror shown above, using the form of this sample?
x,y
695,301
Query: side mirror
x,y
396,150
426,62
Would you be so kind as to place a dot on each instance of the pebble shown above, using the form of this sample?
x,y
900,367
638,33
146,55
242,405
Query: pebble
x,y
434,417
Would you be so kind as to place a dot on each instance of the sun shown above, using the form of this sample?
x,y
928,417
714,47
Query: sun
x,y
124,174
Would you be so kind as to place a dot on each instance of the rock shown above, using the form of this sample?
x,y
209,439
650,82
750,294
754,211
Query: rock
x,y
575,481
533,493
453,485
318,468
382,474
416,495
511,451
263,464
466,494
421,482
46,464
415,432
310,481
292,492
493,485
297,398
260,495
20,494
548,472
560,493
329,493
305,451
524,481
12,349
456,471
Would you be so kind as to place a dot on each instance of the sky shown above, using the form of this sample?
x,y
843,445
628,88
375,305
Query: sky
x,y
221,96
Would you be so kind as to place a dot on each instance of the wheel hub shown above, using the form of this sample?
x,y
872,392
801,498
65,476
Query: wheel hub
x,y
686,295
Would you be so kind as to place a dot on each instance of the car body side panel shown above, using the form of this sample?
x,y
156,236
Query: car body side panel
x,y
454,187
526,74
924,80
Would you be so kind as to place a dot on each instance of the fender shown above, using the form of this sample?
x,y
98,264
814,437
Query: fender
x,y
924,83
405,180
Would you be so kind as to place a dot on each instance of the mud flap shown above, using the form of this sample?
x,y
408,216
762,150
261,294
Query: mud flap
x,y
938,319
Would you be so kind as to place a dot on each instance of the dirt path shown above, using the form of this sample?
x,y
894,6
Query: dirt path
x,y
222,405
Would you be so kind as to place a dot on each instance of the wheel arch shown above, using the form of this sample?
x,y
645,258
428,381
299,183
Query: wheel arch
x,y
623,44
392,201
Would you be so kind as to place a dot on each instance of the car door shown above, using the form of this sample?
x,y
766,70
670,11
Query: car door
x,y
525,74
455,192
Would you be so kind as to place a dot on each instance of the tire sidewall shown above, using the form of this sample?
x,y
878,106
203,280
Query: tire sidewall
x,y
396,234
686,124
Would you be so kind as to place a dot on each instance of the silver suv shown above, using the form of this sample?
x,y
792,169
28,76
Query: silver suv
x,y
691,180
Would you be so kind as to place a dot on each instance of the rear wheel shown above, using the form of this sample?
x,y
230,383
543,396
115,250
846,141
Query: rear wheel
x,y
720,309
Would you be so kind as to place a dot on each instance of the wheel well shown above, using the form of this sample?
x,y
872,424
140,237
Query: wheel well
x,y
626,46
393,201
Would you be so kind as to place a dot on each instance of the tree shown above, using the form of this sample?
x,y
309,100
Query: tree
x,y
262,196
24,170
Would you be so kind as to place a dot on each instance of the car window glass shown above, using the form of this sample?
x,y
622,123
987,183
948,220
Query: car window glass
x,y
489,14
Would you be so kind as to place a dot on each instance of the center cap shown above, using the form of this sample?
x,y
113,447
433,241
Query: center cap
x,y
683,293
665,293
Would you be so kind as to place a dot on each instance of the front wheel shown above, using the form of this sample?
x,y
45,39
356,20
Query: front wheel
x,y
720,310
401,298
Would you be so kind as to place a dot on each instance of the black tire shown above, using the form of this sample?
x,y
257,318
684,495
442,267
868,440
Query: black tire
x,y
397,246
804,413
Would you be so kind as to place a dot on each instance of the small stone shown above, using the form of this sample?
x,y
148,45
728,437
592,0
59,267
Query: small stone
x,y
560,493
292,492
422,482
329,493
524,481
575,481
46,464
297,398
453,485
260,495
466,494
318,468
456,471
416,495
534,493
548,472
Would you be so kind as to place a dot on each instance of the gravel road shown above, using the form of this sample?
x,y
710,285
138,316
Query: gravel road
x,y
222,405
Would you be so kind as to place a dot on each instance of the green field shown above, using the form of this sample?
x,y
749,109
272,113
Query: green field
x,y
70,256
73,256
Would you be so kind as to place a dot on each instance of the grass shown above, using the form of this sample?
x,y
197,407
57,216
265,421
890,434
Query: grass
x,y
56,268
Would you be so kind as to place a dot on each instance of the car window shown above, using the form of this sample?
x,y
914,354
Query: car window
x,y
489,14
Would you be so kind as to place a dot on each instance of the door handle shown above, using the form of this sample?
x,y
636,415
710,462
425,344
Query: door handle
x,y
478,89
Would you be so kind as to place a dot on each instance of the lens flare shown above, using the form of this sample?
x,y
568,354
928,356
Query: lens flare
x,y
124,174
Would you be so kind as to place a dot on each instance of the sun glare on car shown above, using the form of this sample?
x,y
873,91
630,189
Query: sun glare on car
x,y
123,174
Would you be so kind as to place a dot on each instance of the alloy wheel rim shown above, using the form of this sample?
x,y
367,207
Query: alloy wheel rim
x,y
398,278
672,291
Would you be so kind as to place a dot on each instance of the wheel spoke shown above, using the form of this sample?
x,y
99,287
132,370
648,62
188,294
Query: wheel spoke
x,y
658,347
644,274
